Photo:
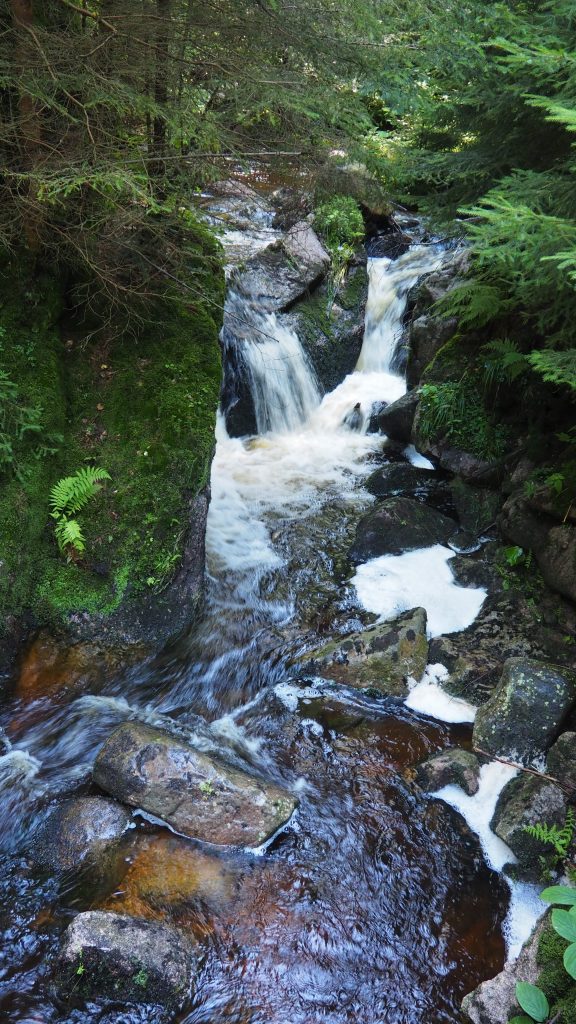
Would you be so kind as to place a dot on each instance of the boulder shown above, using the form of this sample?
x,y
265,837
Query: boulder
x,y
397,525
561,760
553,544
381,658
79,832
525,713
427,334
450,768
527,800
198,795
126,959
477,507
400,478
396,419
494,1001
277,276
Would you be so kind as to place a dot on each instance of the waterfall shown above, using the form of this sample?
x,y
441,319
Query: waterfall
x,y
283,383
389,284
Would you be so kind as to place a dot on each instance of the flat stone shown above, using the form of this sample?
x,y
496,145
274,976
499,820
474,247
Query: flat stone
x,y
450,768
198,795
397,525
527,800
525,713
127,959
79,831
381,658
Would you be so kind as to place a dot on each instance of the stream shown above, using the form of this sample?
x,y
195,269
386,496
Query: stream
x,y
376,904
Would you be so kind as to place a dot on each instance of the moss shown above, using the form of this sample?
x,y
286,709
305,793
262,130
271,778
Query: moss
x,y
143,408
554,980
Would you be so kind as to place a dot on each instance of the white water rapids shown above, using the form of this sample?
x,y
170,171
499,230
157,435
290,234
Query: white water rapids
x,y
304,457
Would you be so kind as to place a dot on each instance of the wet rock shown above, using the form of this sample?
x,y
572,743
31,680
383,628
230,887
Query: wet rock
x,y
375,410
427,335
280,274
397,525
168,878
450,768
400,478
525,713
477,507
561,760
125,958
527,800
50,667
291,206
454,460
198,795
553,545
494,1001
78,832
397,419
381,658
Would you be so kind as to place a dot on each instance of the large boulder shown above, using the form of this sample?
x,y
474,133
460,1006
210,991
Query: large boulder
x,y
525,713
397,525
427,335
494,1001
283,272
400,478
127,959
79,832
561,760
527,800
553,544
453,767
397,419
382,658
199,796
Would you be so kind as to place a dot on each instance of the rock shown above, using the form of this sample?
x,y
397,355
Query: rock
x,y
51,667
380,658
282,272
561,760
78,832
375,410
450,768
126,959
477,507
397,525
400,478
527,800
494,1001
198,795
454,460
525,713
291,205
553,545
427,334
397,419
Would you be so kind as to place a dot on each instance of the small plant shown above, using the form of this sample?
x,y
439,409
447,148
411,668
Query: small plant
x,y
141,979
207,789
558,838
67,498
339,221
530,998
81,967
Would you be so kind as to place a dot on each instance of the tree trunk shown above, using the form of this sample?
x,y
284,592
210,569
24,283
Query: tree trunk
x,y
157,164
29,126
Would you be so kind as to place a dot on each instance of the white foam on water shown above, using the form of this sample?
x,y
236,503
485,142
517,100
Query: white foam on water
x,y
18,766
525,906
428,698
394,583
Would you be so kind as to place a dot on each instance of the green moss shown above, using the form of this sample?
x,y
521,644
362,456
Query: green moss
x,y
143,408
554,980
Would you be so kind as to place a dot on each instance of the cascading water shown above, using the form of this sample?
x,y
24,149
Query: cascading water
x,y
355,913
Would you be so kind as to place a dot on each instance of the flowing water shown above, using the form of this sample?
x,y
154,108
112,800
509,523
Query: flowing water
x,y
376,904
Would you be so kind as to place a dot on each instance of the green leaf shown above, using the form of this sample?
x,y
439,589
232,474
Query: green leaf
x,y
570,960
532,1000
521,1020
564,894
564,923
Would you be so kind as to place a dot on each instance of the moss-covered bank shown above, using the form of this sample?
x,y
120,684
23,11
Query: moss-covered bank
x,y
143,407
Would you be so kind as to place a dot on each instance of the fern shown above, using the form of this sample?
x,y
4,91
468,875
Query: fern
x,y
504,361
68,497
474,304
555,367
552,835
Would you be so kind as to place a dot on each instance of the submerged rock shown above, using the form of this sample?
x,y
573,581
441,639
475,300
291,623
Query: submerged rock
x,y
450,768
561,760
527,800
198,795
525,713
78,832
380,658
397,525
125,958
396,419
400,478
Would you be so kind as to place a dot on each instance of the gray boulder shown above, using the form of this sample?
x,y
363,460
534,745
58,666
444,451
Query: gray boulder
x,y
494,1001
396,419
525,713
561,760
126,958
553,544
199,796
380,658
450,768
283,272
78,832
397,525
527,800
400,478
427,334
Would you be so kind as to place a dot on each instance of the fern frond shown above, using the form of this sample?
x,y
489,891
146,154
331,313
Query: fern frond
x,y
70,494
553,835
555,367
474,304
69,535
